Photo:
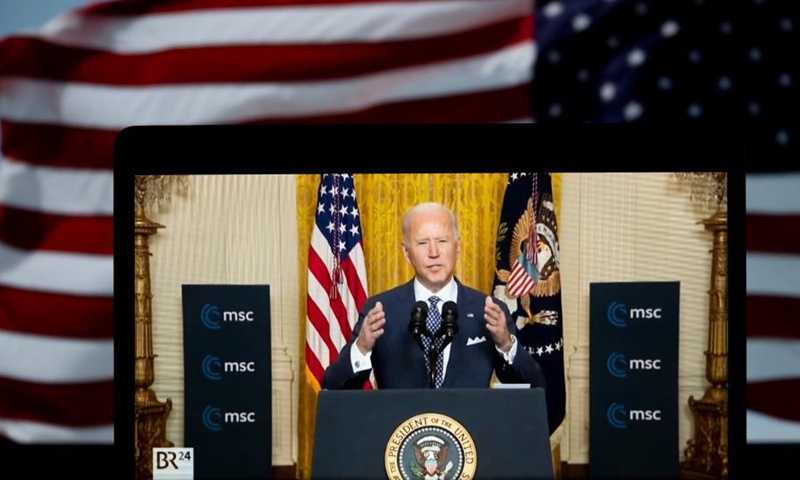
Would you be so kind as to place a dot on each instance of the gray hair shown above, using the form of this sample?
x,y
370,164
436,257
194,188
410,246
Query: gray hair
x,y
428,207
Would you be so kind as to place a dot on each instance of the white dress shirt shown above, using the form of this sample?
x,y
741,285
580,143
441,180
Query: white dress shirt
x,y
449,292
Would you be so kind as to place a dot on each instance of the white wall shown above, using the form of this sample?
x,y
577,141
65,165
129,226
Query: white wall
x,y
630,227
238,230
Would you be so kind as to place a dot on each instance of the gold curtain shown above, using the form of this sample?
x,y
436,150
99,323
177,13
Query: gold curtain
x,y
476,199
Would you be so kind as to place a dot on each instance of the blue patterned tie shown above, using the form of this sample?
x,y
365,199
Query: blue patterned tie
x,y
434,322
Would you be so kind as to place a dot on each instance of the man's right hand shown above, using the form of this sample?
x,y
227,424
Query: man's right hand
x,y
371,329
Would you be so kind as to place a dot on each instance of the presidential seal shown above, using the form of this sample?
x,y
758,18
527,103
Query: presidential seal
x,y
431,446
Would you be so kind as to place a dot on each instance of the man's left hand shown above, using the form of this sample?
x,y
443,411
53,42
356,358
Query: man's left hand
x,y
497,326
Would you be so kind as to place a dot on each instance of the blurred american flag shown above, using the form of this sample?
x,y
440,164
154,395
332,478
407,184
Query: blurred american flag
x,y
773,307
66,92
703,62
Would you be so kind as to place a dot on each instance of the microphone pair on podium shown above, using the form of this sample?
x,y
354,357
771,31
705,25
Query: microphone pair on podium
x,y
418,326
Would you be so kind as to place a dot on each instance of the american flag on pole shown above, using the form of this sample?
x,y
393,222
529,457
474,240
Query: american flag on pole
x,y
337,276
67,89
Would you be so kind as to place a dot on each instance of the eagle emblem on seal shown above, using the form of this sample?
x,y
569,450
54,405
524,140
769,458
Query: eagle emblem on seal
x,y
541,278
431,453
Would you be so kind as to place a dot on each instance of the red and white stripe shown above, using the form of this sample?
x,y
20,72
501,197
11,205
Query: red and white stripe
x,y
56,306
773,307
66,91
330,321
519,282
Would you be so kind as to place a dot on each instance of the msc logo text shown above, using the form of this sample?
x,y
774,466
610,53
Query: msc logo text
x,y
214,418
618,314
214,367
619,416
211,316
619,366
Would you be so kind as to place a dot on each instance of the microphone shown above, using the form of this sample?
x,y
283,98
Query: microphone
x,y
449,321
418,324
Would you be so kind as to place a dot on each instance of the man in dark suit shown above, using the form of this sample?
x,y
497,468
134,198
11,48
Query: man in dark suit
x,y
381,341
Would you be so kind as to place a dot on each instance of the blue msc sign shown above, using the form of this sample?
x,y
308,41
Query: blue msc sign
x,y
634,379
228,389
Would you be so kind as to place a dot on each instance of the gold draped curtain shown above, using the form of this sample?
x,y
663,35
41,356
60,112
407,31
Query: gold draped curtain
x,y
476,199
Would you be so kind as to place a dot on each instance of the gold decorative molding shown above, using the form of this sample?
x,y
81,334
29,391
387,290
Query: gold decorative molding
x,y
709,190
151,414
707,451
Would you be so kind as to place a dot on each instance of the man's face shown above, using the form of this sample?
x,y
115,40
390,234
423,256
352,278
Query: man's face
x,y
432,248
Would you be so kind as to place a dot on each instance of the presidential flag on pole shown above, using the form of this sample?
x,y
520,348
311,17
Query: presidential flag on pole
x,y
337,276
528,279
